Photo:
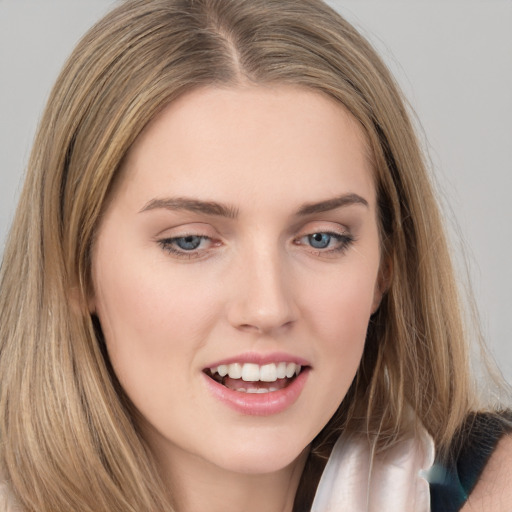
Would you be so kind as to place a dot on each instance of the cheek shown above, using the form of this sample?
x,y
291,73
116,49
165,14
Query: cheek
x,y
150,320
340,310
341,303
339,322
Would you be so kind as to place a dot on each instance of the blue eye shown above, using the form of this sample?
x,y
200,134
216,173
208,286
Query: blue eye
x,y
326,243
188,243
319,240
189,246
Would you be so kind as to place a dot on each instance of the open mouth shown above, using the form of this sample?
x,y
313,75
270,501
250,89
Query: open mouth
x,y
254,378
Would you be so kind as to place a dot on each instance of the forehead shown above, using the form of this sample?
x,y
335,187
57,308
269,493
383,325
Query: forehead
x,y
252,141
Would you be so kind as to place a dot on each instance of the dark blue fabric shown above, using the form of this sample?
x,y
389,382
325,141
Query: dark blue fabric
x,y
452,481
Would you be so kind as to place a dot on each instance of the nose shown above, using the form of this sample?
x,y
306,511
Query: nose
x,y
263,300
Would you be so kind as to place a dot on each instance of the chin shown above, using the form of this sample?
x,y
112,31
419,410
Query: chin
x,y
261,458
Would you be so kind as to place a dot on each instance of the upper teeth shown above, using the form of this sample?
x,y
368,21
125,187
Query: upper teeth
x,y
250,372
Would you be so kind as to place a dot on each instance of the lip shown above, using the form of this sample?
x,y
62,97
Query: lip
x,y
261,359
254,404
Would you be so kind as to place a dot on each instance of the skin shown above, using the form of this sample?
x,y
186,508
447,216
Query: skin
x,y
255,284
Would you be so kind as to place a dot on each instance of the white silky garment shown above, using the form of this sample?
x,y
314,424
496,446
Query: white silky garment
x,y
395,483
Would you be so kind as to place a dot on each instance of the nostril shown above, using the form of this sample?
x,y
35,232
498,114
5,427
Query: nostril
x,y
248,327
265,326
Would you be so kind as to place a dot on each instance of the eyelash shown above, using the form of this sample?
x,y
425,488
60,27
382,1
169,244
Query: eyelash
x,y
169,246
344,241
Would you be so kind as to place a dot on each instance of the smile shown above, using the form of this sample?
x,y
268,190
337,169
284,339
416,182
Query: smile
x,y
255,378
257,389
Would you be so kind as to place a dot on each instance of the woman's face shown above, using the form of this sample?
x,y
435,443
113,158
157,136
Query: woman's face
x,y
239,249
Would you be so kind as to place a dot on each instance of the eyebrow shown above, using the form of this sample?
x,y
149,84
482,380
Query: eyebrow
x,y
192,205
332,204
231,212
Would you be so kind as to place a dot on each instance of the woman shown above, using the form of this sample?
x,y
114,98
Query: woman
x,y
232,259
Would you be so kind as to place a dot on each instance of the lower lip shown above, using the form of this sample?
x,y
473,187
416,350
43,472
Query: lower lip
x,y
256,404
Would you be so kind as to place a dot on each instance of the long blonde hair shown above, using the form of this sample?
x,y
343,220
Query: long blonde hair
x,y
68,436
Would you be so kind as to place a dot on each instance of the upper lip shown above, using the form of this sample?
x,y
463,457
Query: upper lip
x,y
260,359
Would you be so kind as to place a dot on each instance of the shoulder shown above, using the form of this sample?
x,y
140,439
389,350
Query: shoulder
x,y
474,476
493,492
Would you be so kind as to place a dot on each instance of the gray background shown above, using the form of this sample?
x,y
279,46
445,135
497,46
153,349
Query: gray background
x,y
452,58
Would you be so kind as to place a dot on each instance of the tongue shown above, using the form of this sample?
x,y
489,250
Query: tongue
x,y
237,384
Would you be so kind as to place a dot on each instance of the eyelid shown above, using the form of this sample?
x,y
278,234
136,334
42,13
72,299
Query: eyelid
x,y
334,228
187,229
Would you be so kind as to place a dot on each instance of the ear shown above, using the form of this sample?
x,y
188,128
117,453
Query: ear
x,y
382,283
